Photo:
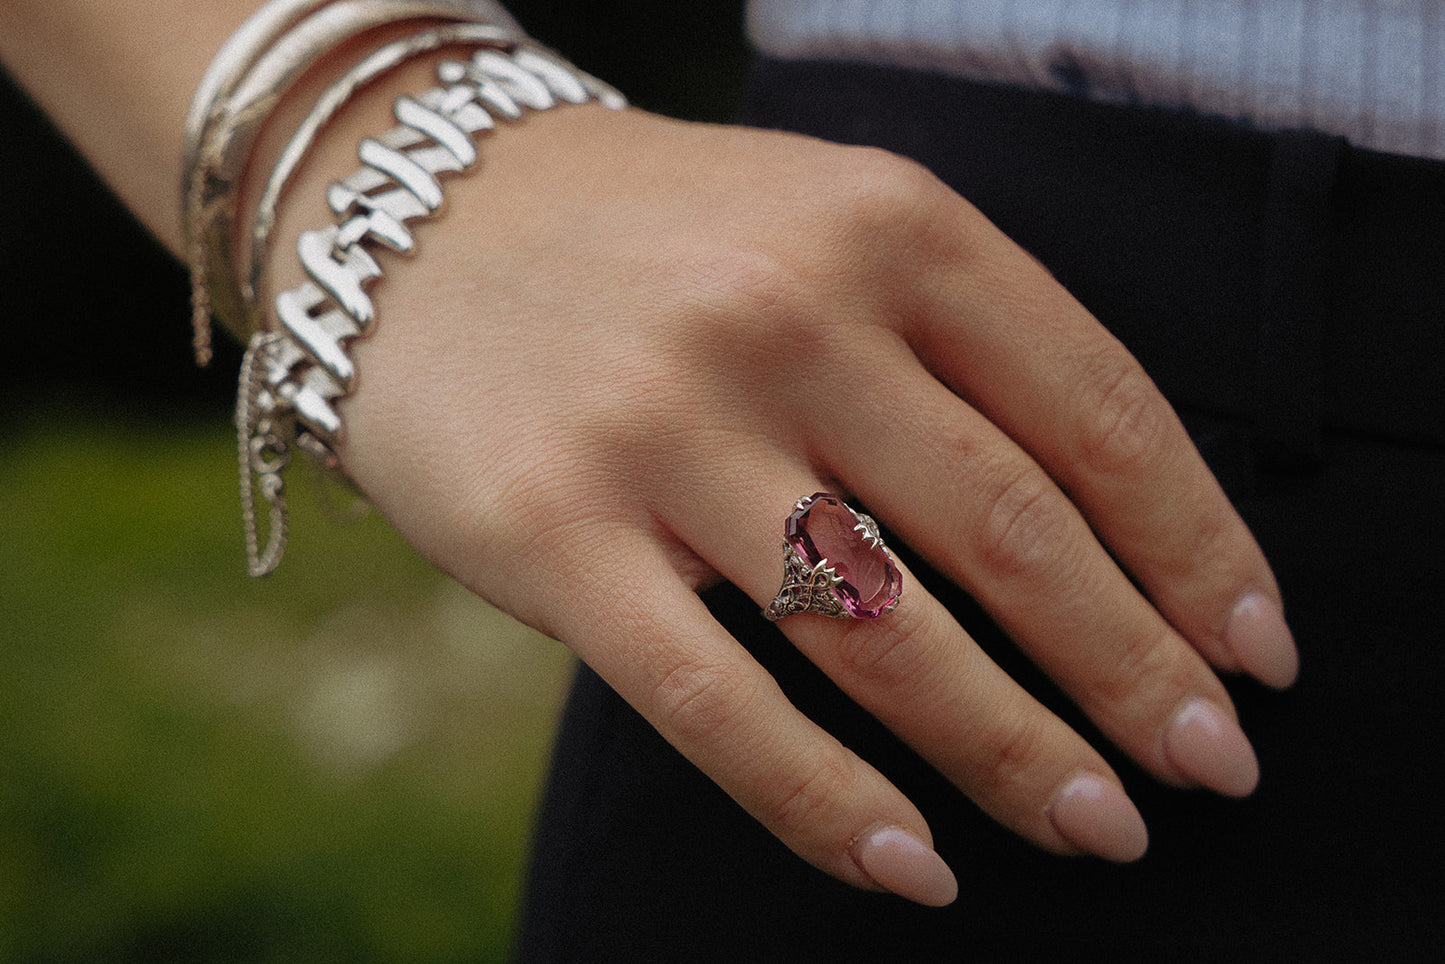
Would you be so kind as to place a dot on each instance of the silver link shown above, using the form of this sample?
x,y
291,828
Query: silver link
x,y
321,335
496,99
312,401
439,128
401,205
486,90
342,278
378,226
436,159
559,80
524,88
402,169
471,118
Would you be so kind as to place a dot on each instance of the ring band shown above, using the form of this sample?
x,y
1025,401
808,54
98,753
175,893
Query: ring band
x,y
834,564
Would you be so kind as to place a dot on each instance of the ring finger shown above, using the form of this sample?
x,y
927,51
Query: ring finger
x,y
921,675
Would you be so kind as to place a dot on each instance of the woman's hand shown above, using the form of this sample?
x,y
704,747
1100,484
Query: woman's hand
x,y
631,344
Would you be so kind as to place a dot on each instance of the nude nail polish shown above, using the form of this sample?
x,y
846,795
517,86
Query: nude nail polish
x,y
900,862
1259,638
1096,816
1209,748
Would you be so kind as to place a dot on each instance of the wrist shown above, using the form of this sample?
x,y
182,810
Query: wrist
x,y
297,365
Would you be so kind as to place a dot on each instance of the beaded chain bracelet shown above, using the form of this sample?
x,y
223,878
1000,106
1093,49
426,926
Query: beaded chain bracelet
x,y
296,368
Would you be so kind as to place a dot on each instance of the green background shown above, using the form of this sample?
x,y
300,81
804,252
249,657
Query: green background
x,y
335,763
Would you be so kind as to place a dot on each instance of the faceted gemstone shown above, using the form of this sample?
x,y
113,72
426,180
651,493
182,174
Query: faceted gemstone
x,y
825,528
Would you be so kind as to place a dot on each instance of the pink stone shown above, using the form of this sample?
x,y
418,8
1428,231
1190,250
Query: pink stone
x,y
825,528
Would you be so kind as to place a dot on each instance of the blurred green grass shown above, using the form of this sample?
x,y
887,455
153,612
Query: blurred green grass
x,y
339,762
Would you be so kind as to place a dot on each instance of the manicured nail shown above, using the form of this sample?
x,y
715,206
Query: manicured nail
x,y
1211,749
1260,639
1096,816
900,862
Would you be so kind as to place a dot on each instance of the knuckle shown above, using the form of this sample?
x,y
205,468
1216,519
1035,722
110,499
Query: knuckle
x,y
696,700
1217,552
876,191
1019,531
739,281
886,653
1141,665
1216,532
1009,755
877,175
746,307
1127,426
815,790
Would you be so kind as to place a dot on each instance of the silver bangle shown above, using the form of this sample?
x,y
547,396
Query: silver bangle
x,y
335,97
292,376
236,95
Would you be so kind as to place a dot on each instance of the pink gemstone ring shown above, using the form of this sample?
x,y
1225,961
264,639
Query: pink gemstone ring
x,y
835,564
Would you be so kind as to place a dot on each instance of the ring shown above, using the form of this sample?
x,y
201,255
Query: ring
x,y
835,564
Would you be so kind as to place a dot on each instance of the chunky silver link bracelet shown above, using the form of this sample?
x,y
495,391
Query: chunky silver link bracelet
x,y
235,98
297,367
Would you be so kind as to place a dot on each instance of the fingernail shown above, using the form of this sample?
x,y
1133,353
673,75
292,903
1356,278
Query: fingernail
x,y
1211,749
900,862
1096,816
1260,639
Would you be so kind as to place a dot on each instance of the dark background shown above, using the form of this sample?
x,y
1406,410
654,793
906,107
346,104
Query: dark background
x,y
96,313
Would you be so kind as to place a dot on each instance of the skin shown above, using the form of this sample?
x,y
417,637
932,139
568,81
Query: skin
x,y
631,343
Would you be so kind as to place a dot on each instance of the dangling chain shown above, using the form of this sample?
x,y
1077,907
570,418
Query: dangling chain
x,y
263,454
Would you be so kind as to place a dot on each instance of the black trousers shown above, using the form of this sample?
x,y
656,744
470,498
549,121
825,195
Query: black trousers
x,y
1287,292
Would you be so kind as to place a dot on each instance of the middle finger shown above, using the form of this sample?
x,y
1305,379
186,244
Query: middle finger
x,y
980,509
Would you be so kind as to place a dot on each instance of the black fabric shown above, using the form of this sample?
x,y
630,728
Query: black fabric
x,y
1293,292
1285,291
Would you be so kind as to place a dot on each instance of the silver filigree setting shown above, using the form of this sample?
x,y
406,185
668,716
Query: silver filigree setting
x,y
806,589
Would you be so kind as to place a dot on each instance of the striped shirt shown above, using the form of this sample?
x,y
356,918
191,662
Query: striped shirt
x,y
1371,70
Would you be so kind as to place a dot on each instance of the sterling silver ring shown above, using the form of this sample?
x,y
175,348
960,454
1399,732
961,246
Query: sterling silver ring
x,y
835,564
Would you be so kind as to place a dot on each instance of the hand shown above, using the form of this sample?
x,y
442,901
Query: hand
x,y
631,344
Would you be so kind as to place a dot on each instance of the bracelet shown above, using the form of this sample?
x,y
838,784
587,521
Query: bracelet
x,y
292,376
295,368
245,81
326,107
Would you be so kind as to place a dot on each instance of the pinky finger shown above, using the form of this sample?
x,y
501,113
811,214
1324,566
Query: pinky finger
x,y
711,700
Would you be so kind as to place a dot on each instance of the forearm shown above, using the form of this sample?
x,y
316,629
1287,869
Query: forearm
x,y
117,78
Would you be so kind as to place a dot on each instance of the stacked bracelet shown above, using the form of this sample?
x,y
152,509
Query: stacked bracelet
x,y
235,98
296,363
